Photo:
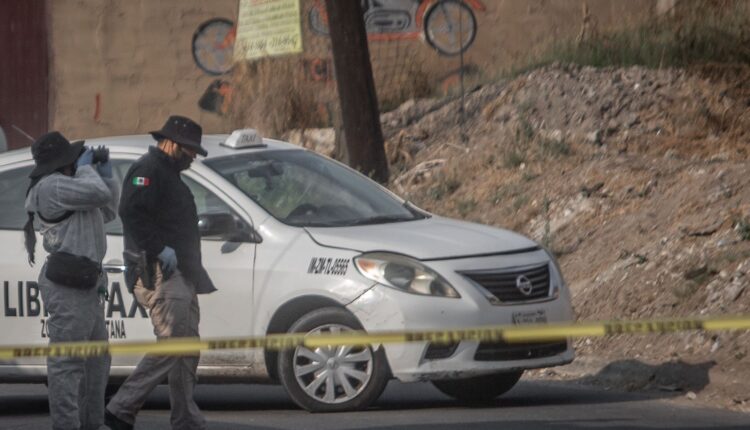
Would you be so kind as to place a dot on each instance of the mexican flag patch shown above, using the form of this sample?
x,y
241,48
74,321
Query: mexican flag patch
x,y
140,181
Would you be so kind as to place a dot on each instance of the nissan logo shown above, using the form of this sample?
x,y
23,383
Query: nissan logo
x,y
524,285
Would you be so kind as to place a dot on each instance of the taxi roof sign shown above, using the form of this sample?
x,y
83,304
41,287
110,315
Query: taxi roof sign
x,y
245,138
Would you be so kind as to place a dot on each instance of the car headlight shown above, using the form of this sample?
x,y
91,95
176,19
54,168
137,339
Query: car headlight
x,y
560,284
403,273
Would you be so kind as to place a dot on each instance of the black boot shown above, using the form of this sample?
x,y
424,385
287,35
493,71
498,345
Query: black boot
x,y
114,423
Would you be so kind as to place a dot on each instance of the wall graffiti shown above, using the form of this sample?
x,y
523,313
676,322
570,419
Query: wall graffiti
x,y
217,97
318,69
448,26
213,46
213,52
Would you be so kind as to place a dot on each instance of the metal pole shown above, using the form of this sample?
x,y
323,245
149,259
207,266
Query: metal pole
x,y
22,132
464,135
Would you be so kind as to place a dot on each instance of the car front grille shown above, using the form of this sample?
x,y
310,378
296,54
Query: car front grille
x,y
504,284
518,351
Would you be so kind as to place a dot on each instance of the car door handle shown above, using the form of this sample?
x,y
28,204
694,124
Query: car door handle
x,y
114,266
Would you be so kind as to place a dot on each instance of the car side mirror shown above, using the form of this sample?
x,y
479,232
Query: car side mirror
x,y
227,227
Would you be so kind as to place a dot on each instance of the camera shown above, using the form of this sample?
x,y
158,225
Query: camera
x,y
101,155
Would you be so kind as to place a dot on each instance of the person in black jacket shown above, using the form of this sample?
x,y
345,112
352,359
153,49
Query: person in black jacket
x,y
160,218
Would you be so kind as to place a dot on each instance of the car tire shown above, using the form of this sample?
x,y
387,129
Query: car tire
x,y
332,379
480,388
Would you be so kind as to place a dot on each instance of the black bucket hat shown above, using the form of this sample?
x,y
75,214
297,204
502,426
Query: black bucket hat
x,y
183,131
53,151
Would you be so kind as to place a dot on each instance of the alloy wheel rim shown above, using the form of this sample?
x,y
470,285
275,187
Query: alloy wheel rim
x,y
332,374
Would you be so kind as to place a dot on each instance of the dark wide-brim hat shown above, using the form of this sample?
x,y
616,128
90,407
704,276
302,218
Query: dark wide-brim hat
x,y
183,131
53,151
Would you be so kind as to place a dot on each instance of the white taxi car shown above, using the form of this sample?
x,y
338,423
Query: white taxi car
x,y
297,242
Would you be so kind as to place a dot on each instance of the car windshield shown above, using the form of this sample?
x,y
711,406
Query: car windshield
x,y
304,189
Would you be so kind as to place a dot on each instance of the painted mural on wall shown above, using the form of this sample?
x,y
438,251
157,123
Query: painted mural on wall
x,y
217,98
448,26
213,46
213,52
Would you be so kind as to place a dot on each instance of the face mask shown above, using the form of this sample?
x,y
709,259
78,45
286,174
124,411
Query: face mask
x,y
183,160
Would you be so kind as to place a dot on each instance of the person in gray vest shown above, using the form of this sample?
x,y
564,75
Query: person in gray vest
x,y
73,196
160,222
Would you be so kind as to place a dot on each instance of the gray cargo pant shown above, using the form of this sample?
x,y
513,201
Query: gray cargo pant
x,y
76,385
174,310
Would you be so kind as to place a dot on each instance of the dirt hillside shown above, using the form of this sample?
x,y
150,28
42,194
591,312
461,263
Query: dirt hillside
x,y
637,179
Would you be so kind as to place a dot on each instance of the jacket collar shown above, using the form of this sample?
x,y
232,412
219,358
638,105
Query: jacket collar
x,y
163,158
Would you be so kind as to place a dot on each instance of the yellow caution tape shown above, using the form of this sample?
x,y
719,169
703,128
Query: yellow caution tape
x,y
510,334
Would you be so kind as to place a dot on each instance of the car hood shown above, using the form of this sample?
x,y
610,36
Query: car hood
x,y
432,238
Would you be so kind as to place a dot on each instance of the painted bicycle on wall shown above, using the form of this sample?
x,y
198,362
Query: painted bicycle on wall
x,y
448,26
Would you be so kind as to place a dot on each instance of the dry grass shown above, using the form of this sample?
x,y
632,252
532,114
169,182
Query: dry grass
x,y
275,95
411,82
271,95
399,72
695,32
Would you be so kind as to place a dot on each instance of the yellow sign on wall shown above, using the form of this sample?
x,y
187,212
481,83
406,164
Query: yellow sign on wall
x,y
268,27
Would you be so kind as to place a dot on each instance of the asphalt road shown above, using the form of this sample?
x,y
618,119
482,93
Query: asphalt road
x,y
530,405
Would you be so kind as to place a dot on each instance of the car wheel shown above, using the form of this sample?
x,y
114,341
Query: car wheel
x,y
332,378
480,388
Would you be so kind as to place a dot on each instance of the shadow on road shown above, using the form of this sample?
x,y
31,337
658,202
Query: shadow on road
x,y
531,405
419,396
398,397
23,405
665,380
525,395
547,424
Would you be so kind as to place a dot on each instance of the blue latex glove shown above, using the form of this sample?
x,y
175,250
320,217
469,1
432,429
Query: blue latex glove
x,y
168,259
86,158
105,169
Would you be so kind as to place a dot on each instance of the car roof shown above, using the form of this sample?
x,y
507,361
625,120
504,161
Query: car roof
x,y
137,144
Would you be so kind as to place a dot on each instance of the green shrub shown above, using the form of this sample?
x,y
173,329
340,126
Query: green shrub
x,y
554,148
466,206
514,158
743,228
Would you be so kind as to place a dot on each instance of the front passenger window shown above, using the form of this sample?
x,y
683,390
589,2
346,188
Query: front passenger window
x,y
205,201
208,203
